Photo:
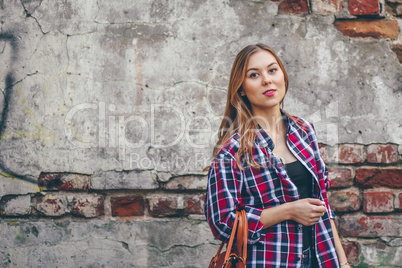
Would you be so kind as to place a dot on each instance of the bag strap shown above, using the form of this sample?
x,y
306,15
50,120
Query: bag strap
x,y
242,236
241,226
232,235
229,247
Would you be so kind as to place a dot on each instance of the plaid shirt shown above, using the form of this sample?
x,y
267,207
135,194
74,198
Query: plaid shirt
x,y
254,189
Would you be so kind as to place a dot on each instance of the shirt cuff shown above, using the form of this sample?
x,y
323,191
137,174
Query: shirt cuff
x,y
254,224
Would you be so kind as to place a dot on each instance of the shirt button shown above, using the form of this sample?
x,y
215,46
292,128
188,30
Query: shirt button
x,y
299,228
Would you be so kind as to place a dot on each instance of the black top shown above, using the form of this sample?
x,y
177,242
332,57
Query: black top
x,y
302,178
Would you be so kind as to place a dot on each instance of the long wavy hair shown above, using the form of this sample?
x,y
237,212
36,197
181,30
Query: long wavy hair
x,y
238,116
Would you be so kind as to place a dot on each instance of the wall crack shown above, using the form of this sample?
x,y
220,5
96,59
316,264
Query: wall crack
x,y
175,246
29,15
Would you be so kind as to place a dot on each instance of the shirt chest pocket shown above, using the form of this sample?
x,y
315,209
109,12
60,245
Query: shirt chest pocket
x,y
262,187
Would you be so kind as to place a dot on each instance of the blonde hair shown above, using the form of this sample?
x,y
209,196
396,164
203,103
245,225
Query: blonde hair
x,y
238,110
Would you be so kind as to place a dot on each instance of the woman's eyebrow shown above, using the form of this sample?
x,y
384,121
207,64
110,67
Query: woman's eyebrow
x,y
256,69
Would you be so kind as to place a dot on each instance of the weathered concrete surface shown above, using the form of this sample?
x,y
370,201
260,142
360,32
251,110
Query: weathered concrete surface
x,y
19,205
106,243
378,254
120,86
111,180
11,185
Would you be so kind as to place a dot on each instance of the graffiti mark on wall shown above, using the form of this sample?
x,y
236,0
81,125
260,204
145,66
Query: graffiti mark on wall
x,y
9,82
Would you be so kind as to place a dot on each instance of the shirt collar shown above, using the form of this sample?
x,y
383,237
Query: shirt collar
x,y
263,139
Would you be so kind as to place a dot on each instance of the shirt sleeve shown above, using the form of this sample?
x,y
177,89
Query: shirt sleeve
x,y
224,198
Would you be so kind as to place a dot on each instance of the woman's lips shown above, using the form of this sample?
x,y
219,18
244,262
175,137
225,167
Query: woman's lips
x,y
269,92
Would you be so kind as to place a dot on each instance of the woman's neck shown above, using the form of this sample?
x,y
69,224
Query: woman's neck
x,y
271,121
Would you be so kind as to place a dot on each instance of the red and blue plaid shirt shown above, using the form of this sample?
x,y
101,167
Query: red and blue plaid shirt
x,y
254,189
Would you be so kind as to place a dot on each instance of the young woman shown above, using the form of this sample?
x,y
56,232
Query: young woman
x,y
267,162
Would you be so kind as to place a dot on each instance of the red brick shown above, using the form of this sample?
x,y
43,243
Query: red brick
x,y
382,153
340,177
62,181
397,48
165,206
368,28
50,205
351,249
323,152
293,7
127,206
349,153
344,200
378,201
371,226
372,177
364,7
88,206
195,204
176,205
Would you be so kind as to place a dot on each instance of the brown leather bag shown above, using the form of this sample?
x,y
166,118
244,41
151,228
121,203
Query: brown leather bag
x,y
234,256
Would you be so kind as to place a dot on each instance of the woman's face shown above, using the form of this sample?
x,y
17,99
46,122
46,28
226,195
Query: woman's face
x,y
264,84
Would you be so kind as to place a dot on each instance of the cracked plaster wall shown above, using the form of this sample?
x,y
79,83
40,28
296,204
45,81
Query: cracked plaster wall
x,y
106,244
95,86
159,69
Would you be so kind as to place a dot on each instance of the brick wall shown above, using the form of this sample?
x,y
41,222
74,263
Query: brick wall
x,y
354,18
366,194
66,194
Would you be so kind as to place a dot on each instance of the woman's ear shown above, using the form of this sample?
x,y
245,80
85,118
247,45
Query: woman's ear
x,y
242,93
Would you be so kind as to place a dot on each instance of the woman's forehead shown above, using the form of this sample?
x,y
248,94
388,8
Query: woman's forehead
x,y
261,57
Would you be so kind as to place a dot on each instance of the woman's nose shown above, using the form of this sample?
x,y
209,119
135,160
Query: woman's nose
x,y
266,79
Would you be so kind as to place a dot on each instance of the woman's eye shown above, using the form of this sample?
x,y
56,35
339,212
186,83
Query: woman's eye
x,y
253,75
272,70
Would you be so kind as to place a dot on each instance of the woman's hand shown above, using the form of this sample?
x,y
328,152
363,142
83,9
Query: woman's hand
x,y
307,211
